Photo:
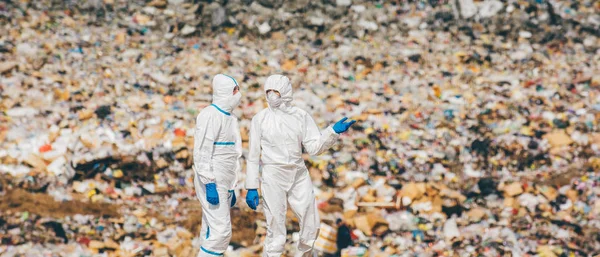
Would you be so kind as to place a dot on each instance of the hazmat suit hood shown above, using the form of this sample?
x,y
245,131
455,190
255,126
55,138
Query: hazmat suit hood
x,y
223,96
281,84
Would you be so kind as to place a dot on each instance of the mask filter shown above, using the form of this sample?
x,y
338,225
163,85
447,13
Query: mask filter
x,y
274,100
234,100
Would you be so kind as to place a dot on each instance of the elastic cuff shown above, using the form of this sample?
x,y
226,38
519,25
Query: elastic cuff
x,y
251,186
252,175
332,131
210,252
206,180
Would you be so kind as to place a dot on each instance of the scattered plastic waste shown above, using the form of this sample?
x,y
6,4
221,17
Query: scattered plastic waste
x,y
477,130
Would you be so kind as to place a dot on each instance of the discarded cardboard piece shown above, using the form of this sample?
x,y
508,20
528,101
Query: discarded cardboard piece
x,y
366,223
140,213
476,213
436,204
110,244
96,244
513,189
184,233
572,195
558,138
549,192
511,202
358,183
546,251
161,163
362,223
369,197
349,216
162,251
378,204
453,195
413,190
595,138
326,241
35,161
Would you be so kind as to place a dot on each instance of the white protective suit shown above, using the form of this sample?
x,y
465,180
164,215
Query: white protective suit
x,y
277,135
217,153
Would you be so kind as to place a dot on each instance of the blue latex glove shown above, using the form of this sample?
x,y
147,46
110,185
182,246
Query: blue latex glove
x,y
342,126
233,198
252,198
211,193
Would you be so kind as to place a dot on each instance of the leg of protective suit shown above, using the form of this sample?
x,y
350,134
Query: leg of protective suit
x,y
301,198
275,208
216,222
203,229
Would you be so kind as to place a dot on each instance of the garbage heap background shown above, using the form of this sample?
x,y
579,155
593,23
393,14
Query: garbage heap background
x,y
478,125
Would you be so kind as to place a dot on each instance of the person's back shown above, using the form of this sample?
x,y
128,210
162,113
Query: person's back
x,y
225,152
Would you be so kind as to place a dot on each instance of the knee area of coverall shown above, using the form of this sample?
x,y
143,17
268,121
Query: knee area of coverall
x,y
220,234
222,240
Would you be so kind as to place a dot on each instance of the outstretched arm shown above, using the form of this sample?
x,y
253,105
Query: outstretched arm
x,y
316,142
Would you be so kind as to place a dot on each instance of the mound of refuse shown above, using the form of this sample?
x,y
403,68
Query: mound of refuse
x,y
477,128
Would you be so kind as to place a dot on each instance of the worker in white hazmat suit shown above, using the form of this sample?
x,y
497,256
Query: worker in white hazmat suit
x,y
277,135
217,155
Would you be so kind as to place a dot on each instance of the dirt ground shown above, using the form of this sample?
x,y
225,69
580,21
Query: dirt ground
x,y
18,200
243,222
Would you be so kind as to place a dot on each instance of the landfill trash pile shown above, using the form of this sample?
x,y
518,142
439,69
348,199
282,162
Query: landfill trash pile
x,y
477,127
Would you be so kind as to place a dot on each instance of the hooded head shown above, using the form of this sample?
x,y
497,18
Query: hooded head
x,y
282,85
223,96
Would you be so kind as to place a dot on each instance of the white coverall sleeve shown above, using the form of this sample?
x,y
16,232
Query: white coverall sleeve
x,y
238,150
316,142
204,138
252,164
